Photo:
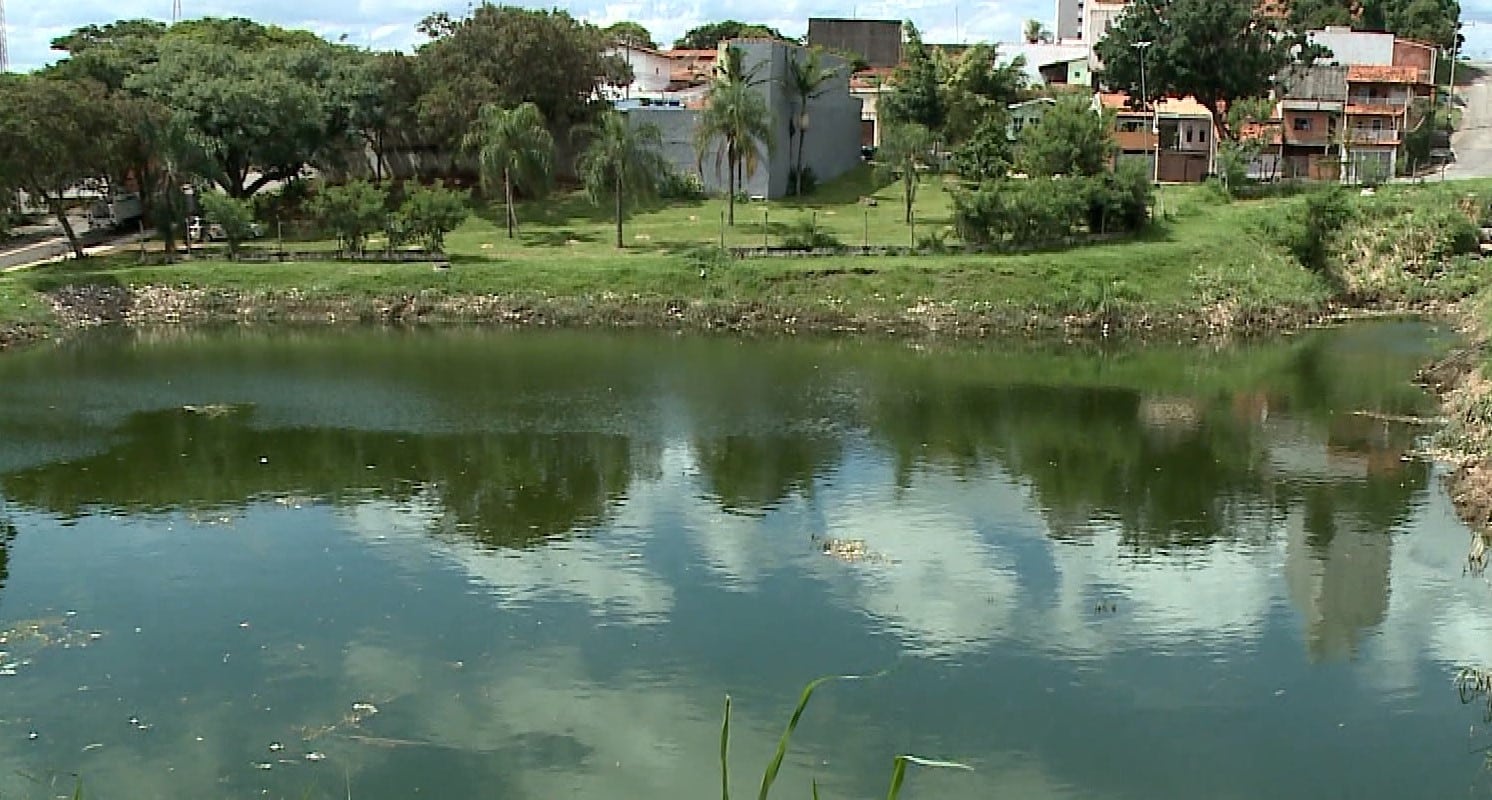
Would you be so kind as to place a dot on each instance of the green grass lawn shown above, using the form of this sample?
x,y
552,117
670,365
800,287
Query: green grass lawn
x,y
1206,253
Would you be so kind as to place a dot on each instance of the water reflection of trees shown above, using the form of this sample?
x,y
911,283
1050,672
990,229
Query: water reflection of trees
x,y
504,489
7,534
747,473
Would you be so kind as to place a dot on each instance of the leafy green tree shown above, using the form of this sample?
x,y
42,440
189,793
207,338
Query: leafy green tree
x,y
1218,51
987,154
351,211
736,115
508,56
382,93
430,213
53,135
263,114
1433,21
1072,139
514,149
709,37
1316,14
906,152
623,160
914,96
108,53
807,78
234,215
630,33
975,90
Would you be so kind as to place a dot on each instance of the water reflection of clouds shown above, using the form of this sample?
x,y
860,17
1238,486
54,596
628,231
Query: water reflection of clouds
x,y
607,577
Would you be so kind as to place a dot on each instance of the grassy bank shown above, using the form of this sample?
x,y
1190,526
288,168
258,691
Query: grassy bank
x,y
1207,266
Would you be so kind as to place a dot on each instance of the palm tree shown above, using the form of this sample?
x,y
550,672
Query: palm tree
x,y
622,159
806,79
513,146
1036,32
736,113
905,152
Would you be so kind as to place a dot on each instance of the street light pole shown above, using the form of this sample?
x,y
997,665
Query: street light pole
x,y
1144,48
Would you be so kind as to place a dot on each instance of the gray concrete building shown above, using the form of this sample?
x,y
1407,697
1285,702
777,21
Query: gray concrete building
x,y
878,41
832,146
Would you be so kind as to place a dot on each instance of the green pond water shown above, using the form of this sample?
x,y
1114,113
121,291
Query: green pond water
x,y
473,563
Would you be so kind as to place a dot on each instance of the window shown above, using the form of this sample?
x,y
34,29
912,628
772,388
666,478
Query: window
x,y
1188,135
1302,123
1202,135
1377,124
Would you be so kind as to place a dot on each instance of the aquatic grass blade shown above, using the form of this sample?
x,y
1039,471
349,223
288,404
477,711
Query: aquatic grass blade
x,y
815,789
770,776
899,771
724,753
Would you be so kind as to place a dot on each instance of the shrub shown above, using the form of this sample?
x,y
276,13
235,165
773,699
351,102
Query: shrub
x,y
808,236
1308,233
810,181
676,185
352,212
1043,211
235,217
429,213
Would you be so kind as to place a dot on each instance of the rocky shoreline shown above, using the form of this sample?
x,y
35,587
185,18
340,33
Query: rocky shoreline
x,y
78,307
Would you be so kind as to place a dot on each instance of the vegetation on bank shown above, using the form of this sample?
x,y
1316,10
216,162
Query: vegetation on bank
x,y
1208,264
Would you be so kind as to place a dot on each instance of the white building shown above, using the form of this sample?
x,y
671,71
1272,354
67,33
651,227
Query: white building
x,y
651,72
1098,17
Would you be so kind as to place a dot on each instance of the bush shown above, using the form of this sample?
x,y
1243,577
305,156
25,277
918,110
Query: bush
x,y
1043,211
1308,233
233,216
675,185
810,181
807,236
352,212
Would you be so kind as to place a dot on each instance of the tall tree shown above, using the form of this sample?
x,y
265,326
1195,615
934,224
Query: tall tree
x,y
906,152
1217,51
108,53
807,77
508,56
264,111
1073,139
624,161
514,149
914,95
736,115
630,33
975,89
54,134
383,91
159,151
709,36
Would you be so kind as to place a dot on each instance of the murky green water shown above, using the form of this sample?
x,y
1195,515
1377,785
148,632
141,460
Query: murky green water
x,y
546,558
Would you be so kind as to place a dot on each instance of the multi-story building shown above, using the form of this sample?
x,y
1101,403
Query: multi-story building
x,y
1069,19
1180,132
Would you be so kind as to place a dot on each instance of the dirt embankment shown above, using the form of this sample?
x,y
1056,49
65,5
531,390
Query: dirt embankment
x,y
77,307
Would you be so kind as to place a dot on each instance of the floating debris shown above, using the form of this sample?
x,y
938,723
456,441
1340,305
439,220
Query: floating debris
x,y
851,551
94,746
275,747
33,736
212,410
264,765
315,756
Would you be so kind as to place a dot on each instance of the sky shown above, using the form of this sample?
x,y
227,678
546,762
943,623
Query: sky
x,y
390,24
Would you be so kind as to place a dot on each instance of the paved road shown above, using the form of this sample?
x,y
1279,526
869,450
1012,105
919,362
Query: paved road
x,y
1472,142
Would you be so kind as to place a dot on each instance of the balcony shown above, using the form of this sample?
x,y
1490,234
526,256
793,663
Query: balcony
x,y
1398,103
1371,136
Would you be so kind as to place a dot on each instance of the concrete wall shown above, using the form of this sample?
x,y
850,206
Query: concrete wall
x,y
878,41
831,149
1069,19
1355,47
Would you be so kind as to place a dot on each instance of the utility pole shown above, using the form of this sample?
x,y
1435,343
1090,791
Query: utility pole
x,y
4,51
1144,48
175,11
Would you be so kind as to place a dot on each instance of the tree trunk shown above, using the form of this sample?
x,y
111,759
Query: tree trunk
x,y
619,208
67,227
802,134
508,202
730,185
909,194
